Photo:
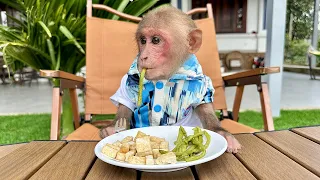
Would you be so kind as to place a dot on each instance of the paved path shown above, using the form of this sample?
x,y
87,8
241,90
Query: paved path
x,y
298,92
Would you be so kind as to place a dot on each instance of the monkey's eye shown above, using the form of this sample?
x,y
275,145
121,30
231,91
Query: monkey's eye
x,y
155,40
143,40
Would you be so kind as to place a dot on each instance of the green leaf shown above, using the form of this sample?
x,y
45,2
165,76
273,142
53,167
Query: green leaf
x,y
136,8
67,33
52,53
119,6
45,28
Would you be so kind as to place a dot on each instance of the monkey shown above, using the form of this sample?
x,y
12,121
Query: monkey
x,y
176,92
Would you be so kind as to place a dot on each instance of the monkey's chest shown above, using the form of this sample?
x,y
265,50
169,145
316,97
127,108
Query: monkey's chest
x,y
172,101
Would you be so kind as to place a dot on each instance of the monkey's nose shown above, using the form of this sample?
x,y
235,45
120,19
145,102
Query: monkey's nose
x,y
144,58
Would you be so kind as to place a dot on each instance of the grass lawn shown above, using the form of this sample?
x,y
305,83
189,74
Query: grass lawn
x,y
25,128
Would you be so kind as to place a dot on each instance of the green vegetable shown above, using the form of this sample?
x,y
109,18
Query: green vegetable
x,y
193,158
191,148
143,72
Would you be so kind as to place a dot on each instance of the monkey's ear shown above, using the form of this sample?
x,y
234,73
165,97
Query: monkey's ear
x,y
195,40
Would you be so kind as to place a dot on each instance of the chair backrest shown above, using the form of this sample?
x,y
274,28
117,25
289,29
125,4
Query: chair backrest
x,y
111,48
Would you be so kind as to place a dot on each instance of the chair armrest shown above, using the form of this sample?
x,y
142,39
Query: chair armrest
x,y
60,74
253,72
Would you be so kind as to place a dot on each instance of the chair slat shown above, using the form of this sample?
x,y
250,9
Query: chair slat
x,y
225,167
102,170
300,149
266,162
73,165
25,161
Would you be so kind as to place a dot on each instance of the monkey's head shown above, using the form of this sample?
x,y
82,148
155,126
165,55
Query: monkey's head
x,y
166,37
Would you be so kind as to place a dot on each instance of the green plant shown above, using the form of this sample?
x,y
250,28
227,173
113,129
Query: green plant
x,y
296,51
51,35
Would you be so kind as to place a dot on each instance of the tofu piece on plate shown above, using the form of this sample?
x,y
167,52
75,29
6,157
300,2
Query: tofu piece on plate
x,y
155,145
114,147
121,156
109,151
127,139
156,153
164,145
144,154
156,139
128,154
143,144
117,143
149,160
168,158
125,148
139,135
137,160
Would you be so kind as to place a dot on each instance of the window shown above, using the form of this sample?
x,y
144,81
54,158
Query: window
x,y
229,15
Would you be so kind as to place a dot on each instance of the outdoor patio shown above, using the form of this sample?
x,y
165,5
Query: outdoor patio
x,y
298,92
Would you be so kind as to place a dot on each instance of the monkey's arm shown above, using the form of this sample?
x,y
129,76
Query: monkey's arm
x,y
210,121
122,119
208,118
124,112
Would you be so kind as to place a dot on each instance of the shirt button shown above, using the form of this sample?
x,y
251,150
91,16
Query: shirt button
x,y
159,85
157,108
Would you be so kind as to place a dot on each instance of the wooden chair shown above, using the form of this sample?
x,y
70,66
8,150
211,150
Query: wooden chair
x,y
110,50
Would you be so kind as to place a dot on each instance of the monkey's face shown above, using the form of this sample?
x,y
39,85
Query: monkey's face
x,y
156,53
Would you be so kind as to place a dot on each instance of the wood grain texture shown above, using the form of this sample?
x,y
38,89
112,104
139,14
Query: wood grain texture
x,y
312,133
60,74
185,174
7,149
224,167
72,162
102,170
298,148
266,162
252,72
266,108
237,102
25,161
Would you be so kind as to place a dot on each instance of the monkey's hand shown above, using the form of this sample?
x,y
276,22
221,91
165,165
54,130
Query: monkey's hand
x,y
211,122
233,144
118,125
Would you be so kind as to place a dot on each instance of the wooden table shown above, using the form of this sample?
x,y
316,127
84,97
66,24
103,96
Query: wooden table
x,y
287,154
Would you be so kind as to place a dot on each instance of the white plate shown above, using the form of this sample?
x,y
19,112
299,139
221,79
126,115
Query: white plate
x,y
217,147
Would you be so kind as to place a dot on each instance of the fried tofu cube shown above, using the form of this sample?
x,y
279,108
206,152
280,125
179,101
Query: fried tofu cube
x,y
109,151
156,139
144,154
149,160
155,145
139,135
127,139
114,147
143,144
168,158
164,145
132,145
156,153
121,156
128,154
125,148
137,160
117,143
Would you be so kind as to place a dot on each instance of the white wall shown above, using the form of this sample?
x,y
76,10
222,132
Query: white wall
x,y
247,42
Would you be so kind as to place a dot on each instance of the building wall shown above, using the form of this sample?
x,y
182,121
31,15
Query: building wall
x,y
254,40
